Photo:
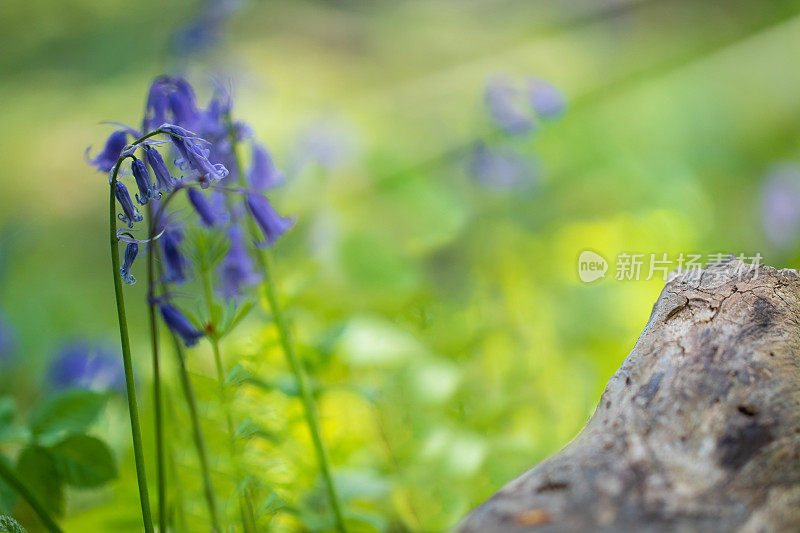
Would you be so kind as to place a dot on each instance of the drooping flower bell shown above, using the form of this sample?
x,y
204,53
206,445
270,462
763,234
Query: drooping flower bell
x,y
164,179
263,175
174,263
129,213
271,223
106,159
147,190
203,208
236,271
195,159
180,324
127,262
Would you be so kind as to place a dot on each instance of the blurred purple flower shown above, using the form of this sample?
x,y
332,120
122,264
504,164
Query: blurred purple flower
x,y
202,207
547,101
180,325
780,204
8,338
236,271
206,29
173,261
105,160
326,142
507,106
271,223
81,365
263,175
501,169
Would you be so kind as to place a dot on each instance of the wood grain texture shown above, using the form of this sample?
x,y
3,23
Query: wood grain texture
x,y
699,430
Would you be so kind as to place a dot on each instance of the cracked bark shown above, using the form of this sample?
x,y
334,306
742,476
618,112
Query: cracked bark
x,y
699,429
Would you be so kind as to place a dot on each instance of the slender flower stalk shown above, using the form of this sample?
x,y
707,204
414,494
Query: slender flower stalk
x,y
8,475
157,395
245,503
130,386
197,434
296,366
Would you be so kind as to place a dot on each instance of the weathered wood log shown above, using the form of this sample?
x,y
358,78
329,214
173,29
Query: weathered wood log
x,y
699,430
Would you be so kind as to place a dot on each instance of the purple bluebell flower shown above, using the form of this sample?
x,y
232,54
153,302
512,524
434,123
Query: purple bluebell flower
x,y
501,169
263,175
507,106
780,204
146,187
106,159
171,99
195,159
131,249
236,271
271,223
174,262
81,365
203,208
129,213
164,179
180,325
547,101
8,338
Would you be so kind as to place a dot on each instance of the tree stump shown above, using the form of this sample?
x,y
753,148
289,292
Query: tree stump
x,y
699,430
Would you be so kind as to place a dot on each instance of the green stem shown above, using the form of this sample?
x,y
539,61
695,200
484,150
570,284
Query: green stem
x,y
157,399
130,387
294,362
306,397
10,477
245,504
197,435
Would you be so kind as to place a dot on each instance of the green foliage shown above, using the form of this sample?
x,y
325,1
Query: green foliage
x,y
38,467
9,525
84,461
72,411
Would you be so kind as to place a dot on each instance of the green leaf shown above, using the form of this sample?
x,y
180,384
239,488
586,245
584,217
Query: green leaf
x,y
71,411
8,496
234,314
250,429
9,525
39,470
8,409
84,461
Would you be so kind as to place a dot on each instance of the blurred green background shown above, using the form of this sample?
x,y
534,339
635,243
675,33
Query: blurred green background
x,y
443,321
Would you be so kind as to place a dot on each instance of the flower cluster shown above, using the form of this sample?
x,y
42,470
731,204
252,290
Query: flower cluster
x,y
516,107
202,145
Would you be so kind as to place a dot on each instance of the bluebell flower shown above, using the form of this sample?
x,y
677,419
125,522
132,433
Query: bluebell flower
x,y
164,179
129,213
271,223
8,338
143,182
507,107
263,175
81,365
171,99
547,101
203,208
780,204
106,159
498,169
195,159
174,263
236,271
180,325
131,249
